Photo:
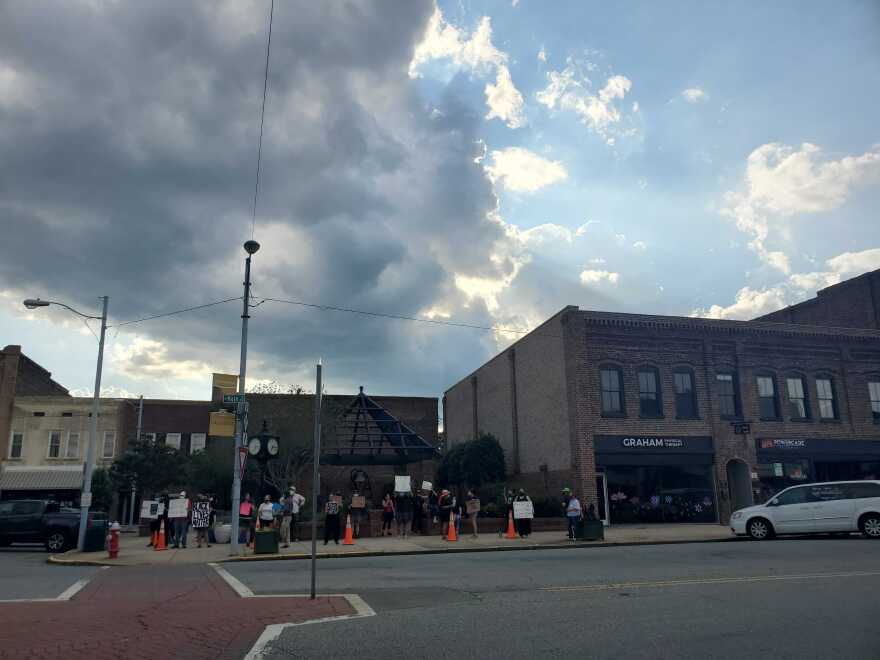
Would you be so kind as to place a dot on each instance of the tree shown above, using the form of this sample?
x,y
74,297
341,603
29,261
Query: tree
x,y
472,463
272,387
102,490
449,472
210,471
284,471
153,467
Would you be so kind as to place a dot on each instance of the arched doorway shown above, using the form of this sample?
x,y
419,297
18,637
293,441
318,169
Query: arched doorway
x,y
739,484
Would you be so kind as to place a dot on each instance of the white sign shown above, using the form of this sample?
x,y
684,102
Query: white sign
x,y
85,500
523,510
402,484
177,508
427,485
201,514
149,509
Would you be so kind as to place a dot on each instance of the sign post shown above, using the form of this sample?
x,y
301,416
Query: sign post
x,y
242,462
316,476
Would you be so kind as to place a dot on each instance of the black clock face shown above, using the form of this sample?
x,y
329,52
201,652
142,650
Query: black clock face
x,y
254,446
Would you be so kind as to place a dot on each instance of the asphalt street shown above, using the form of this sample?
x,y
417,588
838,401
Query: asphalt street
x,y
799,598
24,574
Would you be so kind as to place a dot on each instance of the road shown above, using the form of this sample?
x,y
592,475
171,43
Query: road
x,y
799,598
24,574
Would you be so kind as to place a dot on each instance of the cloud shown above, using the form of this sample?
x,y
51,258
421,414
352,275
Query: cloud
x,y
478,55
147,358
597,276
641,246
569,90
782,182
521,170
695,95
751,303
542,54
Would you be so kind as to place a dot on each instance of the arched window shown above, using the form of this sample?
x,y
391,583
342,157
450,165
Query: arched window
x,y
685,393
826,397
611,391
798,399
650,400
768,402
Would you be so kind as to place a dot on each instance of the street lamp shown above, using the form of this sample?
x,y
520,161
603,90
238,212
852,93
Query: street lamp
x,y
251,248
86,496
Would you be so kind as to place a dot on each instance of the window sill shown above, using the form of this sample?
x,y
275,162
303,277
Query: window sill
x,y
613,415
688,419
732,418
769,419
651,417
807,420
830,421
17,459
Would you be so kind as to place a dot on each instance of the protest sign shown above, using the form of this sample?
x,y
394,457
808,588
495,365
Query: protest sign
x,y
336,498
402,483
149,509
358,501
473,506
201,514
177,508
427,485
523,510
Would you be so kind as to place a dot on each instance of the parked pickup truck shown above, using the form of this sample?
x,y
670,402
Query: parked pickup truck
x,y
38,521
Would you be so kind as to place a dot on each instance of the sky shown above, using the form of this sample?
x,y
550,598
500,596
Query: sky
x,y
484,163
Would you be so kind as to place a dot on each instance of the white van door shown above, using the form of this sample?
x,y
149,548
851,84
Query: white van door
x,y
792,512
832,508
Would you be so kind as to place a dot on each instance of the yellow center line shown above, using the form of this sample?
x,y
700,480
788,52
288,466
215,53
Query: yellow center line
x,y
718,580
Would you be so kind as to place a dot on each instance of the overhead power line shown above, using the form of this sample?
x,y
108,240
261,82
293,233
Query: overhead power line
x,y
262,118
175,312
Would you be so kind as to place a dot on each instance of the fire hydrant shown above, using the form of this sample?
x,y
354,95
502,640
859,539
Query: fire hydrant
x,y
114,540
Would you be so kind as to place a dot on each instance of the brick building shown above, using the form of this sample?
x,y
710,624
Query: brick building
x,y
640,412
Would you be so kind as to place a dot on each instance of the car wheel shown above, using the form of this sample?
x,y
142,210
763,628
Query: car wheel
x,y
57,542
870,525
759,529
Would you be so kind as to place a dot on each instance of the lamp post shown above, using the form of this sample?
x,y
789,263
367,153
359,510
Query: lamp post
x,y
86,496
241,431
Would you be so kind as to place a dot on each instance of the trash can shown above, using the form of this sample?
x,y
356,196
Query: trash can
x,y
266,542
590,530
96,535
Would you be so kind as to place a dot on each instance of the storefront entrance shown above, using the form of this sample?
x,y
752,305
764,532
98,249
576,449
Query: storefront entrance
x,y
657,479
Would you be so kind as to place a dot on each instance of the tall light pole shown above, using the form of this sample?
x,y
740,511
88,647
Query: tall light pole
x,y
241,427
86,496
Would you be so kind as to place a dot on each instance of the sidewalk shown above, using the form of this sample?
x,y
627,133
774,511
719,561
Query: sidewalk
x,y
133,550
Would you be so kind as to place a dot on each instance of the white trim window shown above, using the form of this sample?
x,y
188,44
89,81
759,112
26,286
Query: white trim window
x,y
72,449
16,444
149,437
109,447
197,442
172,440
54,450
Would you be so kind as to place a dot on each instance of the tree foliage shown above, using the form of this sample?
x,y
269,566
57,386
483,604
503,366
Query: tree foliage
x,y
273,387
152,466
472,463
102,490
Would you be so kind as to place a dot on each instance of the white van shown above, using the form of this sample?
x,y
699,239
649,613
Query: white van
x,y
835,507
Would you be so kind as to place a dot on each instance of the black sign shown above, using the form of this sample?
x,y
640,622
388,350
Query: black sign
x,y
742,428
637,443
818,447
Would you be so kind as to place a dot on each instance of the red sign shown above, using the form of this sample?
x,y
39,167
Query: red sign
x,y
242,462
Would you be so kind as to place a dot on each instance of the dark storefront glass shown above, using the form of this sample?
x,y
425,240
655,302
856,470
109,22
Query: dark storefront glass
x,y
679,493
778,475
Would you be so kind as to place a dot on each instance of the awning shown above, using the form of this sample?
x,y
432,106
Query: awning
x,y
62,477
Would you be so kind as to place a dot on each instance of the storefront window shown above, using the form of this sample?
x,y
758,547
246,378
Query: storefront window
x,y
681,493
778,475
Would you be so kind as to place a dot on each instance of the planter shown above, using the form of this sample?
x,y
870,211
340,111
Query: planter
x,y
223,533
266,542
590,530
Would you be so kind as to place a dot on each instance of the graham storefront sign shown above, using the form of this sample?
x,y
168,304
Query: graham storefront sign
x,y
652,450
662,443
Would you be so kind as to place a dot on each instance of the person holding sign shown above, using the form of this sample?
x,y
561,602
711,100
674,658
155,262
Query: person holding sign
x,y
523,512
472,503
444,503
201,518
331,519
179,512
404,505
358,509
387,514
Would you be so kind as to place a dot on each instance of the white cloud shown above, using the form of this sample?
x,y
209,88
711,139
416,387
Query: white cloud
x,y
569,90
547,232
521,170
598,261
641,246
542,54
781,182
582,230
147,358
596,276
620,239
477,54
695,95
750,303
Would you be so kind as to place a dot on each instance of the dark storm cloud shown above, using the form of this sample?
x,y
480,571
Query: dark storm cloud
x,y
129,149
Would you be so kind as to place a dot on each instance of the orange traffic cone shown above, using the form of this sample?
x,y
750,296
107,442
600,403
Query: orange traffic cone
x,y
160,543
511,532
349,536
450,534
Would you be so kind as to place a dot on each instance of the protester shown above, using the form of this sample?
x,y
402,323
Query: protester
x,y
267,513
154,528
508,512
181,522
404,505
472,497
433,506
164,520
420,511
284,524
358,514
246,520
573,514
331,519
444,506
201,525
387,514
294,502
212,520
523,525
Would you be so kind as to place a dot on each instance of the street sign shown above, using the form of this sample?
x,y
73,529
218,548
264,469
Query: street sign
x,y
742,428
242,461
86,499
233,398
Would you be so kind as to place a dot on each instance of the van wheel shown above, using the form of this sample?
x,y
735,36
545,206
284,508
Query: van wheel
x,y
870,525
760,529
57,542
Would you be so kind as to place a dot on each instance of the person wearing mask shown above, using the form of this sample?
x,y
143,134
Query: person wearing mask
x,y
358,513
181,521
295,502
284,528
266,513
471,499
444,506
419,513
331,519
212,520
164,520
507,513
572,514
404,505
387,514
200,525
524,525
246,520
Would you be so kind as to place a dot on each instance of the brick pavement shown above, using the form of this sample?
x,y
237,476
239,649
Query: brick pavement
x,y
152,612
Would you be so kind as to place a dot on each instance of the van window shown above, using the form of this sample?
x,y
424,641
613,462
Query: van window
x,y
828,492
26,508
793,496
865,489
5,508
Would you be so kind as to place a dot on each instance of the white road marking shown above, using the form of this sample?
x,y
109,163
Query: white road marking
x,y
273,631
64,596
719,580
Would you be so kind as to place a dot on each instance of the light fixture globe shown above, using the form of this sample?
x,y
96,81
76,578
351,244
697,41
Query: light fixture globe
x,y
33,303
251,246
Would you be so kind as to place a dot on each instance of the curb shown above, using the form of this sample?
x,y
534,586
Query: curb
x,y
53,559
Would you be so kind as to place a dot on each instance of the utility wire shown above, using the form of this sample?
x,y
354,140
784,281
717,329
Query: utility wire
x,y
262,120
177,311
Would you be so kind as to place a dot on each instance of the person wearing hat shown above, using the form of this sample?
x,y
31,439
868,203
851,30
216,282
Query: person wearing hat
x,y
573,513
445,503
